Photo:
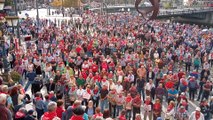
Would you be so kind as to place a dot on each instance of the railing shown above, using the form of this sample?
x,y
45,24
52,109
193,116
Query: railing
x,y
184,11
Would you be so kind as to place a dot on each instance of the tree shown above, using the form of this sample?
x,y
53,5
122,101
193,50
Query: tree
x,y
72,3
8,3
66,3
56,3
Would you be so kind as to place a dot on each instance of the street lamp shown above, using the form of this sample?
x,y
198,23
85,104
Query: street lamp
x,y
12,20
122,9
2,4
128,9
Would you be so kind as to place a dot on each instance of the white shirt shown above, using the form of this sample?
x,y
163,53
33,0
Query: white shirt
x,y
156,55
149,86
80,93
192,116
131,77
106,83
119,88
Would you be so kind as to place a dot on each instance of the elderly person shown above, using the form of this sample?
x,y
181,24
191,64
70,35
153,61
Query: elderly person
x,y
5,112
196,115
51,113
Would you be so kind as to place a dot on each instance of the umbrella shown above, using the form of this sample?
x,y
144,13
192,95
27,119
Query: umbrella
x,y
204,30
7,7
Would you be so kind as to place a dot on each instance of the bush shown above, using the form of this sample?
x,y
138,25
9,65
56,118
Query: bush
x,y
15,76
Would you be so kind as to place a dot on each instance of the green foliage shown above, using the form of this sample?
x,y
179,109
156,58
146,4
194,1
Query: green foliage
x,y
8,3
15,76
167,5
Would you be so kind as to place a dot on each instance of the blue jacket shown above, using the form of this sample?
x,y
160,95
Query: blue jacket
x,y
31,76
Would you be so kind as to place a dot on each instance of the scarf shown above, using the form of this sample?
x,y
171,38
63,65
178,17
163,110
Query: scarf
x,y
128,99
37,98
73,89
95,91
89,91
157,106
147,102
197,115
170,107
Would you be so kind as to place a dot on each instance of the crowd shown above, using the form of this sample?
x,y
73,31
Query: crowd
x,y
114,67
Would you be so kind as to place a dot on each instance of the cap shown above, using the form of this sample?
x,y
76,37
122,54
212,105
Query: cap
x,y
182,93
197,109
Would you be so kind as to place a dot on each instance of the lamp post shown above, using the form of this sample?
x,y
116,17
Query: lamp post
x,y
18,32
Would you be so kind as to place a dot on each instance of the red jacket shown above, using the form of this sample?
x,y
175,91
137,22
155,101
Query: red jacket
x,y
121,117
49,115
76,118
59,111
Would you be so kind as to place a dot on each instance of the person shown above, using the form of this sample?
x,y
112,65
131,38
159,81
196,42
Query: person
x,y
51,85
170,112
90,110
205,109
157,108
39,104
60,108
193,85
122,115
148,107
128,106
138,117
140,86
97,113
5,112
149,87
30,115
136,103
172,94
66,115
201,83
9,103
120,100
182,113
160,92
106,114
96,96
211,107
112,101
103,97
206,90
51,113
20,114
31,75
36,85
78,113
196,115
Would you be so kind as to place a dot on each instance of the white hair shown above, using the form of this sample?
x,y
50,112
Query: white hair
x,y
3,98
51,106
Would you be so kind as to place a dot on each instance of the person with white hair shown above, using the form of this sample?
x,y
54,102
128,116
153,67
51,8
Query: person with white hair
x,y
51,113
5,112
196,115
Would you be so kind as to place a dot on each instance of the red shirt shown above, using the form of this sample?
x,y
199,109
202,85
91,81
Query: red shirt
x,y
59,111
94,68
121,117
76,118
